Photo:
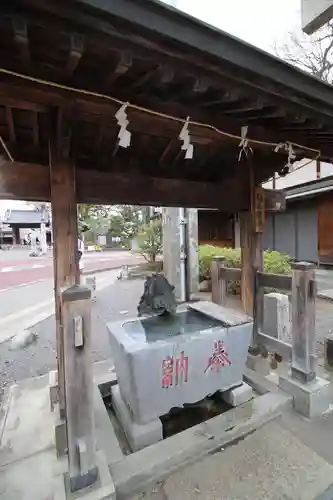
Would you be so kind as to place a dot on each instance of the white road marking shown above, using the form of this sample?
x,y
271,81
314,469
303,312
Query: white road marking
x,y
7,269
21,285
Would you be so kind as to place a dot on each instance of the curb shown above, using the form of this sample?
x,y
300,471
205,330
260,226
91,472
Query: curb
x,y
324,296
96,271
99,270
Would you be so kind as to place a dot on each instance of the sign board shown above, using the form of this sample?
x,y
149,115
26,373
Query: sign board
x,y
101,240
315,13
259,209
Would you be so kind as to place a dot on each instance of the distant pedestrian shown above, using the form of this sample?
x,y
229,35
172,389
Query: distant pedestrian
x,y
80,246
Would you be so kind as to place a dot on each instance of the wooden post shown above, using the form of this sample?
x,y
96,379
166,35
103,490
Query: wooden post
x,y
219,283
303,366
64,228
76,310
252,259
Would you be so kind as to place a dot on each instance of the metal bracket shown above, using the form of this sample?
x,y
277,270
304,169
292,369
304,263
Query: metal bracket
x,y
313,288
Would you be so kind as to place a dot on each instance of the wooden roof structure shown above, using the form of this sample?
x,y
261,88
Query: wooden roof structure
x,y
70,65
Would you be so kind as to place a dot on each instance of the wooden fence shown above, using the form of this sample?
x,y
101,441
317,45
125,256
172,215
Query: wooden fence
x,y
302,286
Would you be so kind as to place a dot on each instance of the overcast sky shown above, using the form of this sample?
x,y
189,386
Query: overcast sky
x,y
259,22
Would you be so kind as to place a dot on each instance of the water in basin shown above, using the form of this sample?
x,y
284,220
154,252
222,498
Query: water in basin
x,y
157,328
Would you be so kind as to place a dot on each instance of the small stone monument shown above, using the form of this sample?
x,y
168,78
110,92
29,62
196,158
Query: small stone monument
x,y
277,316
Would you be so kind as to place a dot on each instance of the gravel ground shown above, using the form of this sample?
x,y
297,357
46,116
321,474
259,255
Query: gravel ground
x,y
116,302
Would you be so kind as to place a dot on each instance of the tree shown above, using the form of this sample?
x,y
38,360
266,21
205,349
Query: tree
x,y
313,54
150,240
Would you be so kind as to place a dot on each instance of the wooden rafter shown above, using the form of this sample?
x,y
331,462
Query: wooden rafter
x,y
75,53
20,28
123,65
10,124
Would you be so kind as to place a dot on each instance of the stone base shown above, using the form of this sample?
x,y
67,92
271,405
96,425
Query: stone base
x,y
258,364
238,396
103,489
139,436
310,399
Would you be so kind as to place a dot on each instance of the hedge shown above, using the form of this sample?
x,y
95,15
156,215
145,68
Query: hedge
x,y
274,262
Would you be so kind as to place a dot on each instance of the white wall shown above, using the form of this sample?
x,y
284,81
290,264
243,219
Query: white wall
x,y
301,175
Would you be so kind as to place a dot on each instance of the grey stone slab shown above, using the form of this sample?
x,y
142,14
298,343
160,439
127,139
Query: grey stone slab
x,y
270,464
228,316
138,436
29,426
239,395
106,438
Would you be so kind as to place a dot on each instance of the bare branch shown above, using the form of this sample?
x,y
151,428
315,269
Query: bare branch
x,y
313,54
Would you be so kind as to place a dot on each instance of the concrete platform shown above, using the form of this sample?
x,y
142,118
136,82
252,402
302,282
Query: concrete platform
x,y
270,463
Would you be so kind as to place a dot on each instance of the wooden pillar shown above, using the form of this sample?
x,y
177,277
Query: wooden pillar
x,y
65,235
252,259
76,310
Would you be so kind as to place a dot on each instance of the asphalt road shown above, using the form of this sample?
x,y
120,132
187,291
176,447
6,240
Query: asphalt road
x,y
115,300
18,269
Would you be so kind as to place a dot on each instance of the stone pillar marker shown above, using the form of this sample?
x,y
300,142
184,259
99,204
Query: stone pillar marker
x,y
219,286
303,322
277,316
310,393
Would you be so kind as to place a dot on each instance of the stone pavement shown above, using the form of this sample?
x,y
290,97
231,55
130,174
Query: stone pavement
x,y
270,464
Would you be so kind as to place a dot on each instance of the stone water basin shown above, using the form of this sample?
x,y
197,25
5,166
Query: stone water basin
x,y
166,362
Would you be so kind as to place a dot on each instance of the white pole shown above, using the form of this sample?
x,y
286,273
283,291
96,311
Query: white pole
x,y
182,223
43,242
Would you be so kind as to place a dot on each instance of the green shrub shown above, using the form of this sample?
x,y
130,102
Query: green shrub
x,y
274,262
150,239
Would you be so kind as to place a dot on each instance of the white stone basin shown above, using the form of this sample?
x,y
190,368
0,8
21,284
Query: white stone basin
x,y
163,363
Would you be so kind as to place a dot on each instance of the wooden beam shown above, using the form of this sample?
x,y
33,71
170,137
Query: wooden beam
x,y
75,53
64,226
24,181
35,131
11,126
27,181
20,28
169,151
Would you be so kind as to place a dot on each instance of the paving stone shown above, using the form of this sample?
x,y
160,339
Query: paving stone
x,y
154,492
270,464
